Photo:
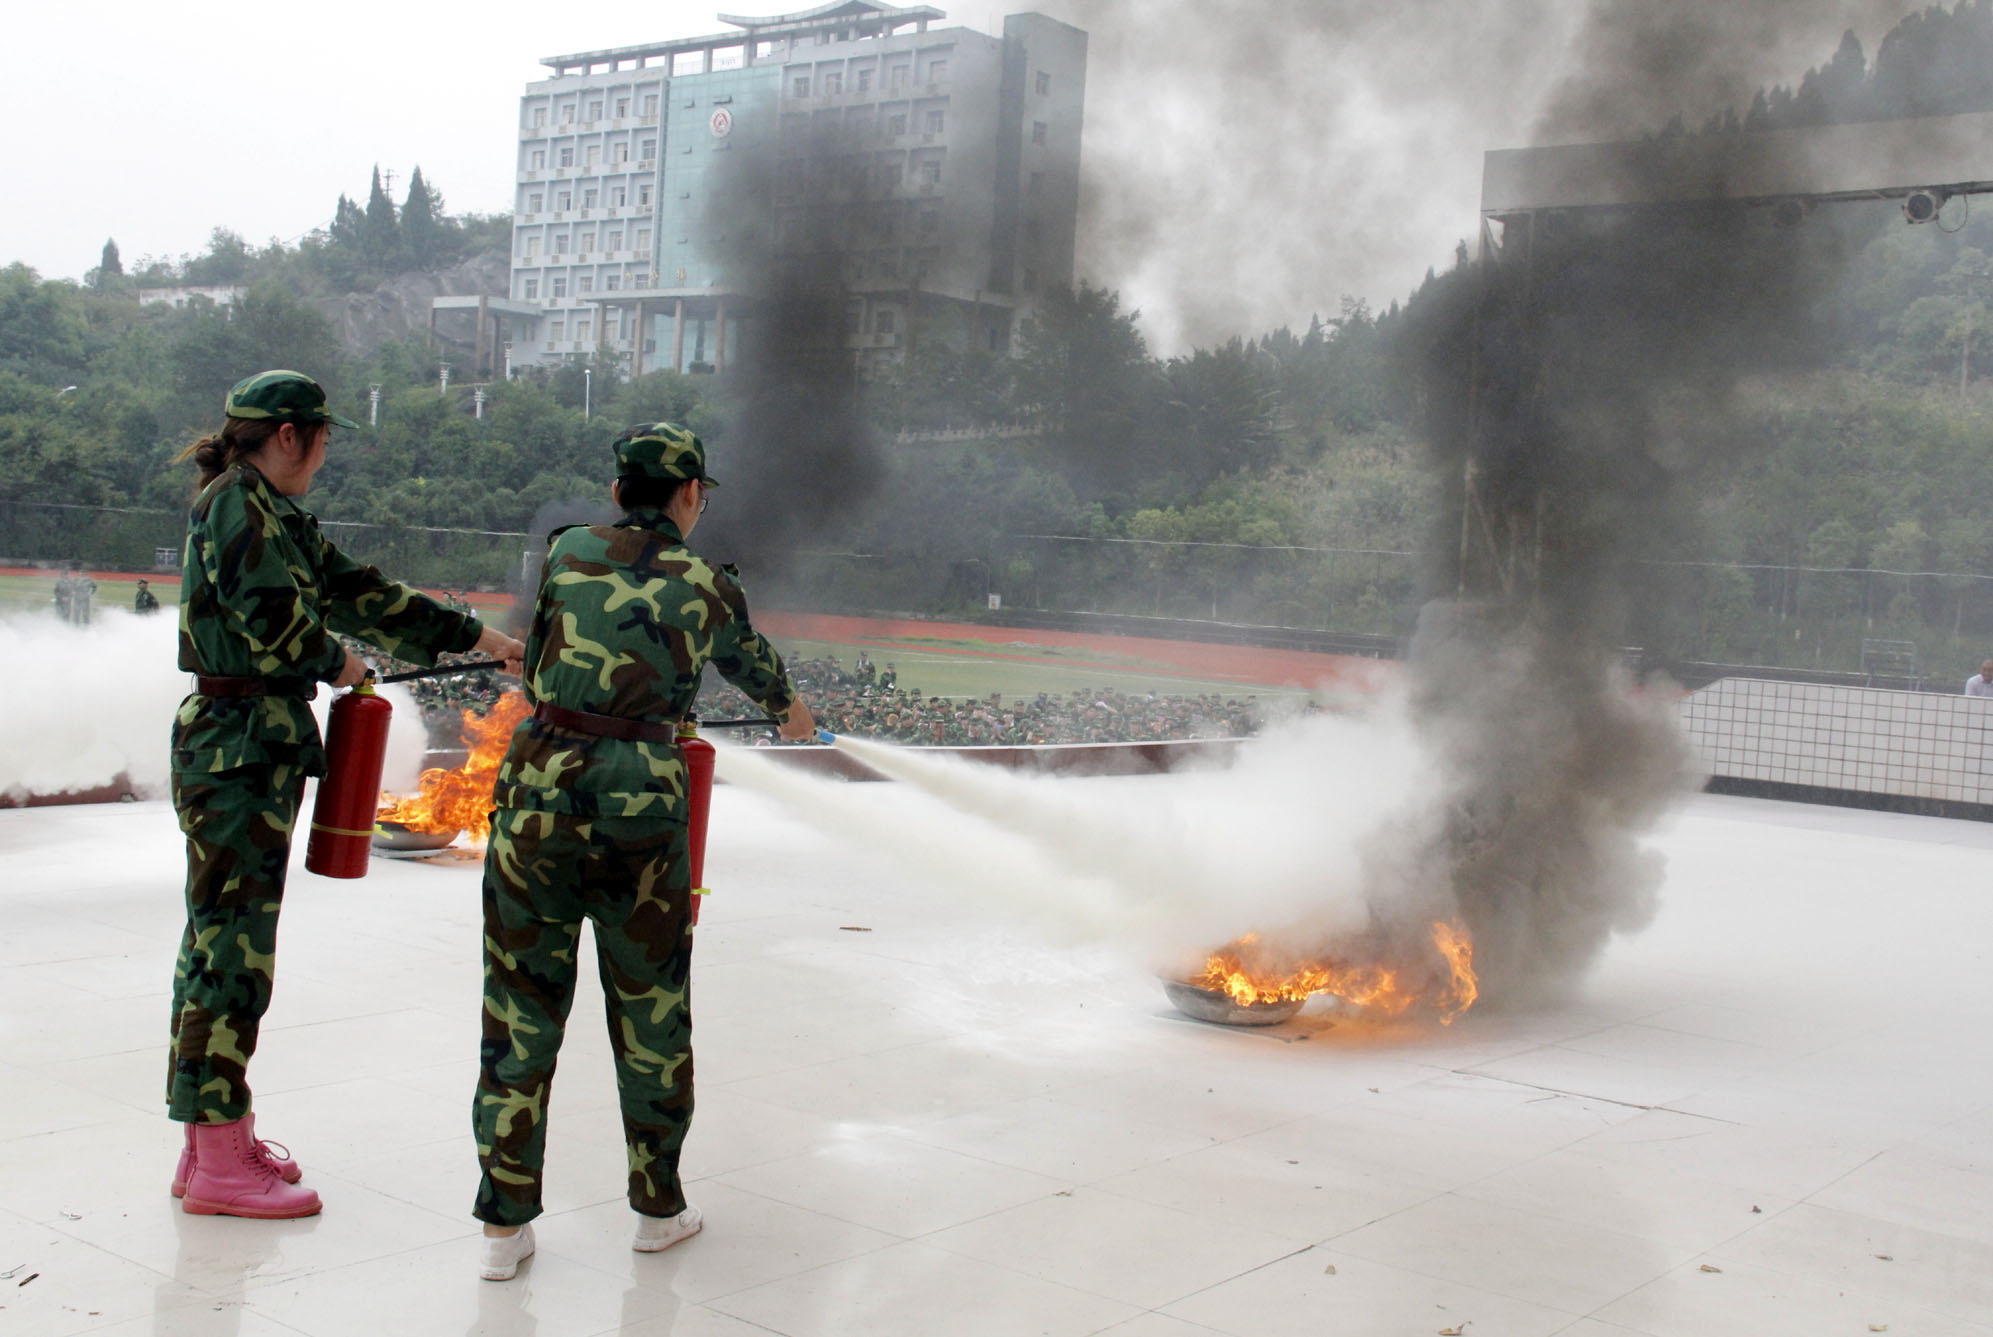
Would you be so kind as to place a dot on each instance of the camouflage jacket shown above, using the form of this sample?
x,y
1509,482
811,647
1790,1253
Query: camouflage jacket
x,y
263,594
626,622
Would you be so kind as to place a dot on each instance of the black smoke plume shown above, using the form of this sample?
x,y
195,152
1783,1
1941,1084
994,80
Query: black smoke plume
x,y
1579,380
797,458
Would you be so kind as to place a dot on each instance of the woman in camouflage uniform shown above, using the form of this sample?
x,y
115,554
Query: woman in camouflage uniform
x,y
591,824
263,600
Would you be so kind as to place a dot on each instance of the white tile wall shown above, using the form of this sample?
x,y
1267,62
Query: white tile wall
x,y
1913,744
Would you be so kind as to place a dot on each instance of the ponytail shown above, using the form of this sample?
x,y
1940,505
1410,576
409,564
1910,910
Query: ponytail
x,y
218,452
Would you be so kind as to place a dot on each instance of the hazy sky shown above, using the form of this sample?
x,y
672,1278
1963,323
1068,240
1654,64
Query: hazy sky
x,y
1248,161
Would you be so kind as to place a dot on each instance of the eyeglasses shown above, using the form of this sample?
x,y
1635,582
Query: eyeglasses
x,y
705,499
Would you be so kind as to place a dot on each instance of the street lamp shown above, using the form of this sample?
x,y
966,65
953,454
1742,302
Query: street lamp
x,y
587,389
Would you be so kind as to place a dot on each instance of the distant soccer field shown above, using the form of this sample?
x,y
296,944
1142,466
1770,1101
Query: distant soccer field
x,y
941,659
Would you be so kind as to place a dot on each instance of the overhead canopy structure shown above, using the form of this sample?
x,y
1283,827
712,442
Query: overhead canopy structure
x,y
1947,155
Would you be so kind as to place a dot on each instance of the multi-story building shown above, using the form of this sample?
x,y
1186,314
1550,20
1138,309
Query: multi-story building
x,y
956,155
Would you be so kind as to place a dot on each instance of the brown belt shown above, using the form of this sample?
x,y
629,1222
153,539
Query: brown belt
x,y
303,688
605,726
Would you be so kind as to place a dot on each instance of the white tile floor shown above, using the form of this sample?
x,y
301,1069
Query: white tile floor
x,y
1771,1113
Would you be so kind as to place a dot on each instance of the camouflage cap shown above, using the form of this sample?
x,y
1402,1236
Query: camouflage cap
x,y
287,396
661,450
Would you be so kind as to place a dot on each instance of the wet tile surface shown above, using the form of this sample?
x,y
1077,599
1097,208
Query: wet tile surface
x,y
1772,1111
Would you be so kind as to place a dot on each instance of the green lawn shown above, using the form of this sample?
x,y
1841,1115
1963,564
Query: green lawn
x,y
929,665
37,593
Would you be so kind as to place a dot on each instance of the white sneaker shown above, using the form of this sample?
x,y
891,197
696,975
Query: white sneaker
x,y
655,1233
503,1255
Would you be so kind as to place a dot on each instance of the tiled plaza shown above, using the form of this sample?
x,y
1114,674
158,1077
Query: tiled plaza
x,y
1771,1113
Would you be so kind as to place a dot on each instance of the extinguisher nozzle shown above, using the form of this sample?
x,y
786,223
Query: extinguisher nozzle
x,y
826,736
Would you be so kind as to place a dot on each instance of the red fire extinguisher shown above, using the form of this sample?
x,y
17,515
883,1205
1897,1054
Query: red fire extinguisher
x,y
698,802
356,746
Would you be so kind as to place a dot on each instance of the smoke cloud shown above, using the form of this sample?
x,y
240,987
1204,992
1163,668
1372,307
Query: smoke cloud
x,y
1351,131
798,453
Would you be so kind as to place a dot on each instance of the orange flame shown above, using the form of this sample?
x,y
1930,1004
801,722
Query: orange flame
x,y
1250,973
460,800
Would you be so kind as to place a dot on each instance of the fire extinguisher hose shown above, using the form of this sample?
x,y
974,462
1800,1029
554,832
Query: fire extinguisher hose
x,y
443,672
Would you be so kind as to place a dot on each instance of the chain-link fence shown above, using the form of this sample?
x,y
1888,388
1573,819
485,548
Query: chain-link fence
x,y
1897,627
146,540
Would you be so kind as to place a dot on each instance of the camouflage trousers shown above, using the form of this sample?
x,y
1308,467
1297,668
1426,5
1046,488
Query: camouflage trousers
x,y
238,828
544,873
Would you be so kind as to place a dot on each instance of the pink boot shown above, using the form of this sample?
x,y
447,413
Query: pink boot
x,y
230,1176
286,1168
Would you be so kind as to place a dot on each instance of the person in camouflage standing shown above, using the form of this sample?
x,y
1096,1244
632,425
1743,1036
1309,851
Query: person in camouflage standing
x,y
263,600
590,823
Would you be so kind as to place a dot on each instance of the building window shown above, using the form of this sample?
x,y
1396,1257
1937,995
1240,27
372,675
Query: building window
x,y
559,289
588,241
1038,132
649,150
865,81
564,201
613,282
595,111
619,153
889,176
937,71
533,203
833,83
560,244
567,114
539,117
588,199
584,284
617,196
800,87
560,330
896,77
622,107
532,246
937,121
567,156
1044,84
930,222
594,154
539,159
930,171
615,241
650,105
643,195
884,320
896,124
643,239
532,290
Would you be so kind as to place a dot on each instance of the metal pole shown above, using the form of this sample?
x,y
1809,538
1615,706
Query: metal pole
x,y
442,378
374,405
587,389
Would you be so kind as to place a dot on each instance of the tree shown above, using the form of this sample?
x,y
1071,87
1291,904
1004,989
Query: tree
x,y
349,226
422,235
380,240
41,327
109,267
1084,372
